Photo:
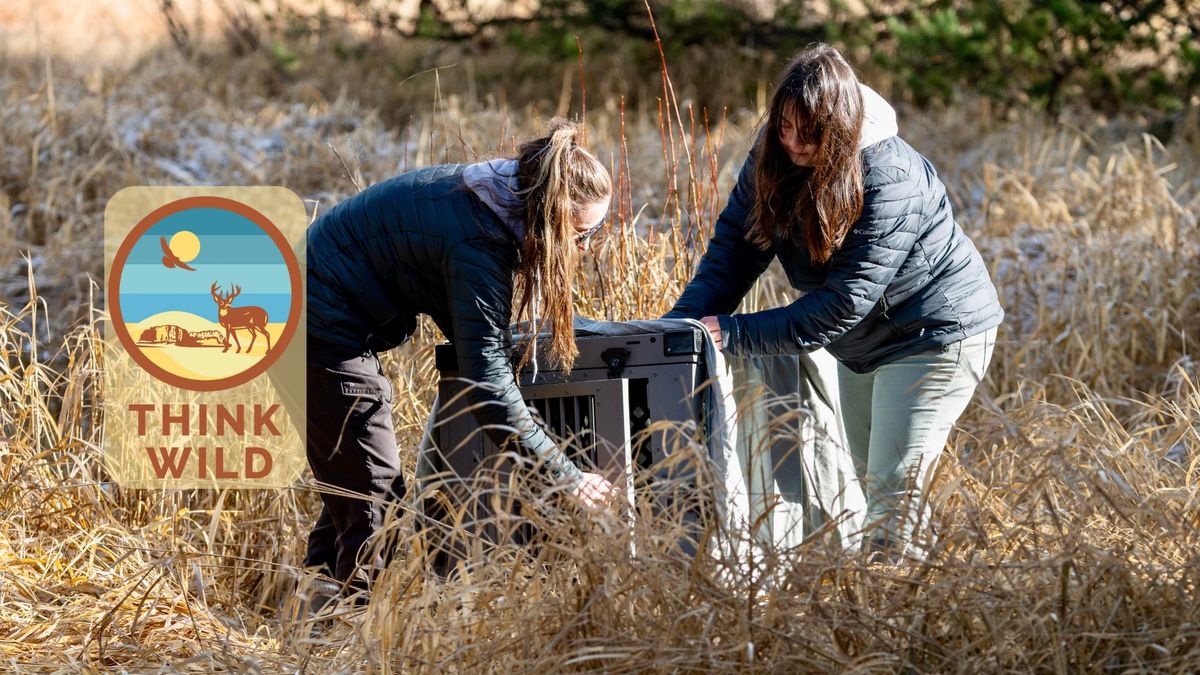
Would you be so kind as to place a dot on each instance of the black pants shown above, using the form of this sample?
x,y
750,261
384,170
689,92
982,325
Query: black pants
x,y
351,448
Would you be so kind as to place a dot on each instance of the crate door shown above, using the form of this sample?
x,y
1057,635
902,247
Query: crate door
x,y
592,419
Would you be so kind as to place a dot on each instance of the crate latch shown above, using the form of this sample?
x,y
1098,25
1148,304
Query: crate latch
x,y
616,358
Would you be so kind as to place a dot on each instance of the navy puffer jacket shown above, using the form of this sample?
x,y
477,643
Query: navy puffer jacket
x,y
906,279
423,243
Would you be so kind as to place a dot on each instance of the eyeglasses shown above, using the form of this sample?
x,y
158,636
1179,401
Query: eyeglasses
x,y
583,237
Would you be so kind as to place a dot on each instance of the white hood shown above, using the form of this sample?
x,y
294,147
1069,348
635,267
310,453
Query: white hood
x,y
879,118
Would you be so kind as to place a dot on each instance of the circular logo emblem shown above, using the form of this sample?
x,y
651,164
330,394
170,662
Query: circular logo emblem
x,y
205,293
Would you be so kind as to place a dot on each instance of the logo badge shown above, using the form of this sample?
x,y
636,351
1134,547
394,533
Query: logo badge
x,y
205,347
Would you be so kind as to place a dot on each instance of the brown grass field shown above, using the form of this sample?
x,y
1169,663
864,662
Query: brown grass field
x,y
1069,495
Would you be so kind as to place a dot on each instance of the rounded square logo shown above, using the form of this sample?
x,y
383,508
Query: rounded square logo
x,y
204,363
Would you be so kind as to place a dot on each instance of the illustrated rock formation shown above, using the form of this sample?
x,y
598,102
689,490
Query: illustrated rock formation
x,y
175,335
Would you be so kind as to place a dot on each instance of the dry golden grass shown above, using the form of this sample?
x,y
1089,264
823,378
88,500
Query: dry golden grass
x,y
1070,512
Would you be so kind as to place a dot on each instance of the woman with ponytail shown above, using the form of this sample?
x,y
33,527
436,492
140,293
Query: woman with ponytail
x,y
476,247
891,286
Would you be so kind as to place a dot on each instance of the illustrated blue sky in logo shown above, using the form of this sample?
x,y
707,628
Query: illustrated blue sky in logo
x,y
233,250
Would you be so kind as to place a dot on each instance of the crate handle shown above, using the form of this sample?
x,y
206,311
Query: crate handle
x,y
616,358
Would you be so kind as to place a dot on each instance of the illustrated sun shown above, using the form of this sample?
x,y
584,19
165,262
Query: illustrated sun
x,y
185,245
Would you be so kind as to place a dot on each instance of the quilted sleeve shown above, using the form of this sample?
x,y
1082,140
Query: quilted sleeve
x,y
857,276
480,292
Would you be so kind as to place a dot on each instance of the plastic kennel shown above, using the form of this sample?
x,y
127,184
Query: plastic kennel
x,y
599,414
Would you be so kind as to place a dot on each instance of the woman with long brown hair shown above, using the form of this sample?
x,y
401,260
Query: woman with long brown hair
x,y
476,247
891,285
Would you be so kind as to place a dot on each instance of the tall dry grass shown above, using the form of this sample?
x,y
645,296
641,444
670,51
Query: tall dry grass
x,y
1068,498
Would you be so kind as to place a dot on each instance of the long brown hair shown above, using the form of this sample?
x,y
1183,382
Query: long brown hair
x,y
819,92
558,180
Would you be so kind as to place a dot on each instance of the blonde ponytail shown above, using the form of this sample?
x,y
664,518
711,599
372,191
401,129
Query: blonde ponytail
x,y
558,179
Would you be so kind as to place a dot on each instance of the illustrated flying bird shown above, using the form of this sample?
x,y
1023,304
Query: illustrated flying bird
x,y
170,259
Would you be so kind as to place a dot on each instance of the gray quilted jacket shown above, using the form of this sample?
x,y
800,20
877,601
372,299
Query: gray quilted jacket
x,y
907,279
422,243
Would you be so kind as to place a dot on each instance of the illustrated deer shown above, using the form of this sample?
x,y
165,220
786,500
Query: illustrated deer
x,y
234,319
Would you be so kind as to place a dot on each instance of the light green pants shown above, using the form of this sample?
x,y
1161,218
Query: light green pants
x,y
898,418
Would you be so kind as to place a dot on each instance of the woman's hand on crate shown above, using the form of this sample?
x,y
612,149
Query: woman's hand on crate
x,y
594,491
714,329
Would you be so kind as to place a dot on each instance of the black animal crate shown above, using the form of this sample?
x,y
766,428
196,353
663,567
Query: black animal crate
x,y
599,413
